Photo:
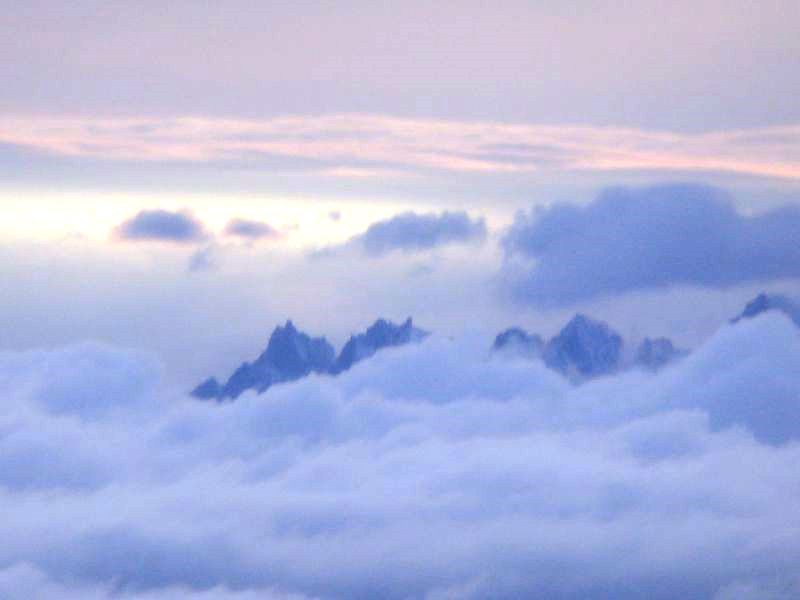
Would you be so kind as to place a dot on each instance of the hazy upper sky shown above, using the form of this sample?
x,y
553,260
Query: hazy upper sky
x,y
154,156
681,65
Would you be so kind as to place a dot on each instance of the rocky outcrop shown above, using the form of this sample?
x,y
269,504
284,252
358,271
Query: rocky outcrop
x,y
292,354
381,334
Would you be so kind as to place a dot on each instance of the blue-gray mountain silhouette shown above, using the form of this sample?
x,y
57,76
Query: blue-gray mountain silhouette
x,y
585,348
517,341
382,334
764,302
656,353
292,354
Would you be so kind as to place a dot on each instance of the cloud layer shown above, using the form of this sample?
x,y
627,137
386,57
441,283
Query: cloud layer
x,y
632,239
357,146
426,472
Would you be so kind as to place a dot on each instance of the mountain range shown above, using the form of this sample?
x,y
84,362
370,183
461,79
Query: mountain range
x,y
583,349
292,354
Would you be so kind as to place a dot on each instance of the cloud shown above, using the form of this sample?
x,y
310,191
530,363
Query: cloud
x,y
428,471
356,146
205,259
633,239
162,226
251,230
23,580
411,232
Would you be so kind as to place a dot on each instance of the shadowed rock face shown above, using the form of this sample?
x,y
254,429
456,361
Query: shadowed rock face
x,y
292,354
584,347
209,389
517,341
382,334
764,302
656,353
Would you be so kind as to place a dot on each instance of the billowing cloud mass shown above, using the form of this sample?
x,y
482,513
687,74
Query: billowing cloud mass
x,y
251,230
429,471
632,239
163,226
409,232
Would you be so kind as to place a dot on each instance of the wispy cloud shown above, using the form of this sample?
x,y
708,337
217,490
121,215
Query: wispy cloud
x,y
374,145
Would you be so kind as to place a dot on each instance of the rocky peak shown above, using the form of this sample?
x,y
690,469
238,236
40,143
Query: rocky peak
x,y
516,340
584,348
655,353
381,334
292,354
765,302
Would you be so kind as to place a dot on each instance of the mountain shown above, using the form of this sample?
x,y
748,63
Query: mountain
x,y
381,334
655,353
764,302
292,354
518,342
584,348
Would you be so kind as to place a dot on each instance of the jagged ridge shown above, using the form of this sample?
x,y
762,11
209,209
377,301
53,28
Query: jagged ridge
x,y
292,354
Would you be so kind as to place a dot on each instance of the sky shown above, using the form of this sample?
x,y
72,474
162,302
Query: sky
x,y
178,178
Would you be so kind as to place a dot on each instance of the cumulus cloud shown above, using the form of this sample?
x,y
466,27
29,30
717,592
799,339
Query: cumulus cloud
x,y
410,232
162,225
251,230
632,239
429,471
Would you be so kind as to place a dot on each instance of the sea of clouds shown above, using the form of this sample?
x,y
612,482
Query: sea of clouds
x,y
430,471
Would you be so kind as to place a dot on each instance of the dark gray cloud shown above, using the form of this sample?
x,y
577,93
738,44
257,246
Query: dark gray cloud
x,y
251,230
633,239
411,232
163,226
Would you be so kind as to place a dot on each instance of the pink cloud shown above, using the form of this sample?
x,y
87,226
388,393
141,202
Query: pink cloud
x,y
374,145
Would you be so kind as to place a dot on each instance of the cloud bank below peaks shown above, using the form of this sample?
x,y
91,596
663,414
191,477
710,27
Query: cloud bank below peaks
x,y
429,471
637,239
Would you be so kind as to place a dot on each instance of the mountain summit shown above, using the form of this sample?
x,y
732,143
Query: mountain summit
x,y
292,354
381,334
584,347
765,302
